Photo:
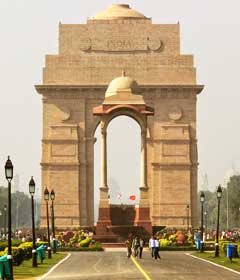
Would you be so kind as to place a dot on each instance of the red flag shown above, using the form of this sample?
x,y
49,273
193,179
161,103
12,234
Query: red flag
x,y
132,197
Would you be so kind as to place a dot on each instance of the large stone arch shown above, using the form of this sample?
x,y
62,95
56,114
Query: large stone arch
x,y
74,84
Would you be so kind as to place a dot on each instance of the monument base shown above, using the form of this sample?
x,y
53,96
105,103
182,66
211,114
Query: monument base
x,y
142,218
118,222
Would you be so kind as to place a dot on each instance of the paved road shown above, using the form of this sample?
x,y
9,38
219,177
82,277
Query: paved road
x,y
115,265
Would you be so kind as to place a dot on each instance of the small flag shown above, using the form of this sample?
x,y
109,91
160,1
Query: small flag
x,y
132,197
119,196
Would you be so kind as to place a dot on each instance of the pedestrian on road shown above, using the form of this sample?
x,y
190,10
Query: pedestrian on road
x,y
129,247
136,245
141,245
152,245
156,249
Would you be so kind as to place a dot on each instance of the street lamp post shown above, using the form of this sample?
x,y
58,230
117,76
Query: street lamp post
x,y
52,196
202,199
206,222
9,177
34,251
188,217
46,197
5,220
219,196
1,223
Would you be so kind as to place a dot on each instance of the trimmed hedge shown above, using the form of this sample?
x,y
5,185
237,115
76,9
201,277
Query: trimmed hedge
x,y
168,245
223,246
4,244
93,248
21,252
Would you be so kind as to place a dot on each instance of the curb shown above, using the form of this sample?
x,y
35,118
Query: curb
x,y
53,268
218,265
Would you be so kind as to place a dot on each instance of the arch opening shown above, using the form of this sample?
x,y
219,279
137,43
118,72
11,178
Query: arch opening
x,y
123,162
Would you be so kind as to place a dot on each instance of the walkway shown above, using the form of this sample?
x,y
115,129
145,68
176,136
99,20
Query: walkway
x,y
115,265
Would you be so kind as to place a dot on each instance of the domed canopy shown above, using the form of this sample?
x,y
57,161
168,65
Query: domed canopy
x,y
122,90
121,95
122,83
118,11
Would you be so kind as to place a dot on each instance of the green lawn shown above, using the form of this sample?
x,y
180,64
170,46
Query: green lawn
x,y
26,271
221,260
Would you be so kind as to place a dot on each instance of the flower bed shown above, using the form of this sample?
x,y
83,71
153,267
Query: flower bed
x,y
94,248
21,252
79,240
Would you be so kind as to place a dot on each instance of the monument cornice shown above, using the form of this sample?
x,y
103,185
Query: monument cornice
x,y
49,89
62,140
183,140
55,164
162,165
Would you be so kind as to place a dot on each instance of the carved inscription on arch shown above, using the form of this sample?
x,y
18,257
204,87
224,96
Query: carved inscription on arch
x,y
126,44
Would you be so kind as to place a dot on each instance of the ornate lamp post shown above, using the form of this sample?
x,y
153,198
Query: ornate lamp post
x,y
9,177
5,220
52,196
1,223
46,197
206,221
34,251
202,199
219,196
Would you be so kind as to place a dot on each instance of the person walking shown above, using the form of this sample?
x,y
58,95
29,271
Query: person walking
x,y
152,245
141,245
156,249
136,246
129,247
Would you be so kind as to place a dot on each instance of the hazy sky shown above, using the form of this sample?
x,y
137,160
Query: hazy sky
x,y
210,29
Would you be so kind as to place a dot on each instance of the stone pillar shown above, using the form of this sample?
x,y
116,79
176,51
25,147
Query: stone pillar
x,y
104,208
143,212
144,200
143,160
103,158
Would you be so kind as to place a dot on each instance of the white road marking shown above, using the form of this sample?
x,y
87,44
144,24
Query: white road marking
x,y
54,267
218,265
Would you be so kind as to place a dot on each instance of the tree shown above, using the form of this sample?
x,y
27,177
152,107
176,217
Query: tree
x,y
233,188
21,208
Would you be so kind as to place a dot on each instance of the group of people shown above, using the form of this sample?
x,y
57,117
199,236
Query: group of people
x,y
136,246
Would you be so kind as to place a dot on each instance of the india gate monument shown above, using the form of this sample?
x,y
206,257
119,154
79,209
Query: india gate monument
x,y
120,63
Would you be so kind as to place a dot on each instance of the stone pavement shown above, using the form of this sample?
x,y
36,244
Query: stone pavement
x,y
115,265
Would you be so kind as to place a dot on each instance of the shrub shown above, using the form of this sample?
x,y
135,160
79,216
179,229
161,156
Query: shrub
x,y
95,247
173,238
189,238
21,252
85,242
41,243
18,255
164,243
66,237
27,249
73,240
223,246
2,253
81,237
4,244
